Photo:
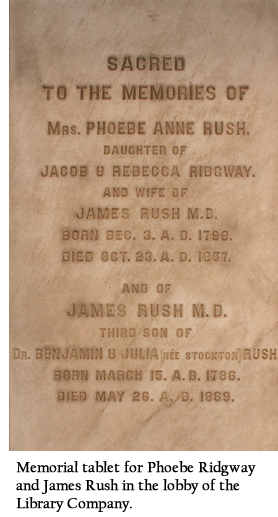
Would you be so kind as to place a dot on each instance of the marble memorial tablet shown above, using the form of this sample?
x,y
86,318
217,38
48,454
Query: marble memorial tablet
x,y
143,225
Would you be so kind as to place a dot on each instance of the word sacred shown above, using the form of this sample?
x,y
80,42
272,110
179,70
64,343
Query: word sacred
x,y
164,63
